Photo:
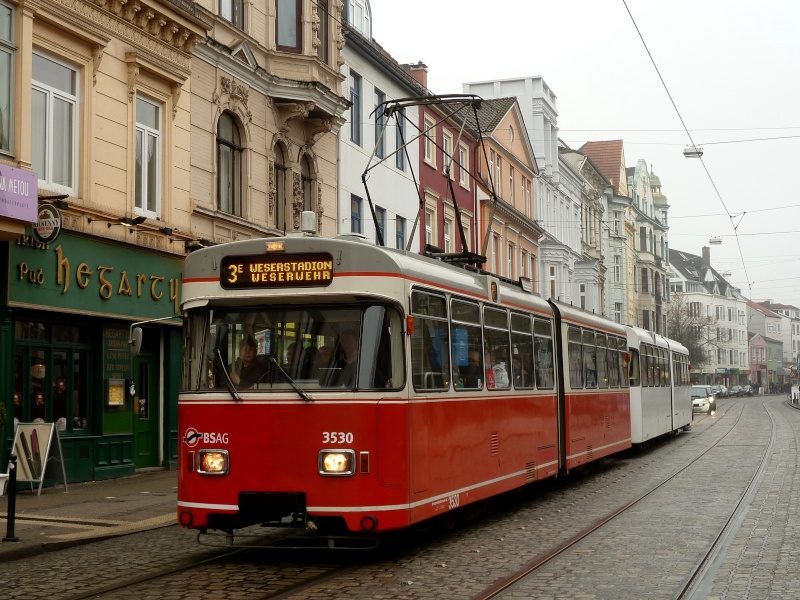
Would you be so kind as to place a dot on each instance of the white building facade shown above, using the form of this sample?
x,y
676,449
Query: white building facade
x,y
705,293
371,78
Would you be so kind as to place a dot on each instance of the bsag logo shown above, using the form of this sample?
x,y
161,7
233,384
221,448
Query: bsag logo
x,y
193,437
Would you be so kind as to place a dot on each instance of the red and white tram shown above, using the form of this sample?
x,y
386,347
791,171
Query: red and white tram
x,y
335,383
661,402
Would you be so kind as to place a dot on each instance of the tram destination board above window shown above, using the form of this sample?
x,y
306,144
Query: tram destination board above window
x,y
259,271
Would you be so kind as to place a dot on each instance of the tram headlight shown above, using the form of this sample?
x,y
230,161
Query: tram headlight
x,y
213,462
337,462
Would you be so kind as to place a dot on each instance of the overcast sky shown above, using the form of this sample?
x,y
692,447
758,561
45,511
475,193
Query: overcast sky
x,y
731,67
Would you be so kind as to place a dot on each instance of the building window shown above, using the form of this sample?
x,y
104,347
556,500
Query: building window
x,y
380,122
355,213
400,233
553,282
582,295
447,149
645,281
279,176
510,261
429,231
448,237
430,148
359,16
322,32
287,27
617,268
7,51
511,185
54,118
148,158
498,178
380,220
463,166
229,167
355,107
399,140
618,312
496,259
526,185
307,180
233,11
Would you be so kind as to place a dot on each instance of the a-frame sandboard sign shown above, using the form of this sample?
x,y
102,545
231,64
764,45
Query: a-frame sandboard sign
x,y
38,449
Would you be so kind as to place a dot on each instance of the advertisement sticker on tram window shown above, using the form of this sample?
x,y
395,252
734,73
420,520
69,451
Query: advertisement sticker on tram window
x,y
259,271
194,437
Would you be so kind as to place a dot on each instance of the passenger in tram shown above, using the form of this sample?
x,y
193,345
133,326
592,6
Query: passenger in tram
x,y
487,361
500,369
347,359
298,361
247,370
471,374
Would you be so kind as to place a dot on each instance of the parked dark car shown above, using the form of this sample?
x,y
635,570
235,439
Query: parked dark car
x,y
747,390
719,391
736,391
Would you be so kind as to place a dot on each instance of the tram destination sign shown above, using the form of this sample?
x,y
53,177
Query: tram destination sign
x,y
259,271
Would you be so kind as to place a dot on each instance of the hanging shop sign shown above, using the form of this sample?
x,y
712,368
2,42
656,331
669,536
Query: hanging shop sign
x,y
19,191
48,224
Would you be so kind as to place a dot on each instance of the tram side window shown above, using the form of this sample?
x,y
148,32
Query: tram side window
x,y
622,364
382,339
602,361
658,358
430,358
613,363
495,334
521,352
575,357
590,359
666,369
543,348
634,370
467,346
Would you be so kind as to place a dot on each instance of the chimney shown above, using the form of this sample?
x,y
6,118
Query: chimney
x,y
418,71
706,257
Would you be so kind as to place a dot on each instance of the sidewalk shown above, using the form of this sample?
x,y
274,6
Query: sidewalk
x,y
88,511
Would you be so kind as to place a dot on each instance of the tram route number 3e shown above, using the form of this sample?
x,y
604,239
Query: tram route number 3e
x,y
337,437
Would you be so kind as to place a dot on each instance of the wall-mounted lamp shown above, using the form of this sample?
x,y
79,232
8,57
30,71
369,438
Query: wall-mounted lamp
x,y
129,222
192,245
59,201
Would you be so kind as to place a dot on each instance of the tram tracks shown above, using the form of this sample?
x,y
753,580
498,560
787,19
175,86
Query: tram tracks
x,y
697,583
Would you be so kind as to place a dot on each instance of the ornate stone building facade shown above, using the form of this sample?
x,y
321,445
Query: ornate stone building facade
x,y
266,109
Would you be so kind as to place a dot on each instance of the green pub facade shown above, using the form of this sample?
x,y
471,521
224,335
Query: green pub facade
x,y
65,318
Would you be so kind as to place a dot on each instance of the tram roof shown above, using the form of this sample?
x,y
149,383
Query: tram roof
x,y
355,260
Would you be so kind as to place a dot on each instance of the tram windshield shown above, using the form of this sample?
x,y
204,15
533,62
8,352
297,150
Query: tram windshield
x,y
276,348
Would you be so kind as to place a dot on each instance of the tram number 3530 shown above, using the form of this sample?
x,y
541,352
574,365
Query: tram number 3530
x,y
337,437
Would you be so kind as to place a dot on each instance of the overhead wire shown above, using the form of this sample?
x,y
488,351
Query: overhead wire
x,y
691,139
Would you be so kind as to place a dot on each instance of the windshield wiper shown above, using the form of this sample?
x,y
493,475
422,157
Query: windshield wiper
x,y
295,387
228,382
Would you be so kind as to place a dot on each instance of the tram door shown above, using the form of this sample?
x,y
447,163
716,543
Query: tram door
x,y
146,412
